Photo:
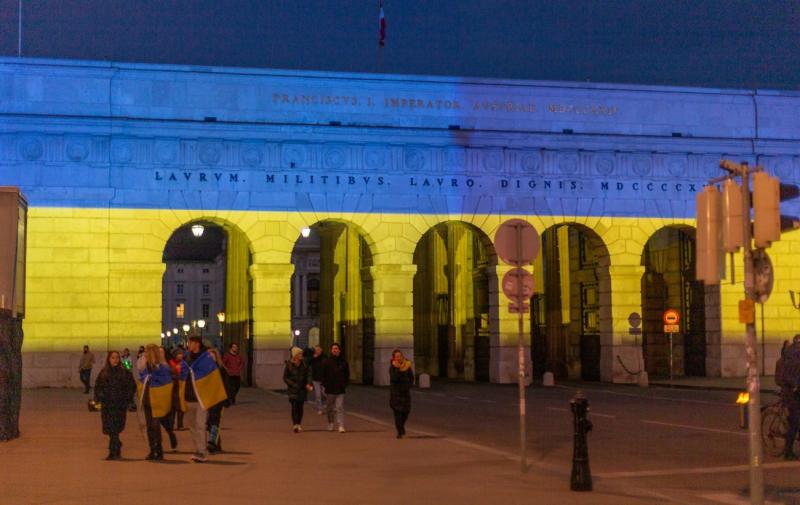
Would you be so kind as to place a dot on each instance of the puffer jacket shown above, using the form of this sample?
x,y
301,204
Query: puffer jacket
x,y
296,377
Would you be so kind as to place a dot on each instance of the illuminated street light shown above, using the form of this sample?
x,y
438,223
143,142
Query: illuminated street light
x,y
197,230
186,328
174,331
201,323
305,231
169,334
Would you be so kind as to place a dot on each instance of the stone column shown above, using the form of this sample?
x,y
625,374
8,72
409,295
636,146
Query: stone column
x,y
504,358
620,352
394,315
272,322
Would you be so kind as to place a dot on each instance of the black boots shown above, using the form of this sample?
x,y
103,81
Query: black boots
x,y
114,449
156,454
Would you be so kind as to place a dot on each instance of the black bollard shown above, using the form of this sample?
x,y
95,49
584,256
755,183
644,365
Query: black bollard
x,y
581,478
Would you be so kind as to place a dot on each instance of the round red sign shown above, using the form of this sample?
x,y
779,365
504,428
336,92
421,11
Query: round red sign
x,y
671,316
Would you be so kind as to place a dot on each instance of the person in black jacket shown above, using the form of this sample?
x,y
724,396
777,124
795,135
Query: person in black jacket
x,y
316,377
401,378
297,377
114,389
335,376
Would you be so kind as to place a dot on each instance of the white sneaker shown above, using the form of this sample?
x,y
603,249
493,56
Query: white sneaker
x,y
341,429
296,428
330,426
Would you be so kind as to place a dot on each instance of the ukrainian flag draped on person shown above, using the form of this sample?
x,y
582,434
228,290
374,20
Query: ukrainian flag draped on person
x,y
156,383
208,386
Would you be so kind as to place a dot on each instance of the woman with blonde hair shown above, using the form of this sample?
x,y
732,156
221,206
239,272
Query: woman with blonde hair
x,y
155,396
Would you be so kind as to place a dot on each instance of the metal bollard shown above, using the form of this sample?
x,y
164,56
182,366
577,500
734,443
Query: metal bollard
x,y
744,416
581,478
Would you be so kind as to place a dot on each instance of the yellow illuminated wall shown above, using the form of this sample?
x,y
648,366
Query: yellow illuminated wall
x,y
95,277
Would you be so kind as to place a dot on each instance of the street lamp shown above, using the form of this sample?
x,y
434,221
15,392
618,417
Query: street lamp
x,y
197,230
305,231
186,327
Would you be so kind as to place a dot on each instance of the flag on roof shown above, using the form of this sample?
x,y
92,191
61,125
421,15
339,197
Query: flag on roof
x,y
381,27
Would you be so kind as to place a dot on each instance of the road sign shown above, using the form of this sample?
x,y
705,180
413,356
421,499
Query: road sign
x,y
516,242
764,276
515,279
671,316
672,328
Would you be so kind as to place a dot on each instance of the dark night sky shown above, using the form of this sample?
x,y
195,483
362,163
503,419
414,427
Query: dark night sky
x,y
677,42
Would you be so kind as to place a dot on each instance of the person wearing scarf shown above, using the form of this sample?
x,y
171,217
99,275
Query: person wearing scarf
x,y
401,378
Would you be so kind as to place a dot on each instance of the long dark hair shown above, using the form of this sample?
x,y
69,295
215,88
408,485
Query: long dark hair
x,y
107,368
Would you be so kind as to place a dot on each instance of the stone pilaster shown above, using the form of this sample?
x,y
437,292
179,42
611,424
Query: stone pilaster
x,y
394,315
620,352
272,322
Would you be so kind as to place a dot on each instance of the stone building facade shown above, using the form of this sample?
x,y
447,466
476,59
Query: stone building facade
x,y
115,157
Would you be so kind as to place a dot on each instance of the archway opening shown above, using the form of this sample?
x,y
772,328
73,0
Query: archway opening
x,y
452,310
571,305
332,295
669,282
207,289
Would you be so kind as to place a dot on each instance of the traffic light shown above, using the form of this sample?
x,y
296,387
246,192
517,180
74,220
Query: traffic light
x,y
710,258
766,209
732,216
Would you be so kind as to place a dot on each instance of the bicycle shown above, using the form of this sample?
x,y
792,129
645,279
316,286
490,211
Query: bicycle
x,y
774,423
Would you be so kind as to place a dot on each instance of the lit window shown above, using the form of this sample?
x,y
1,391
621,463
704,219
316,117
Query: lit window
x,y
179,289
206,310
180,310
206,289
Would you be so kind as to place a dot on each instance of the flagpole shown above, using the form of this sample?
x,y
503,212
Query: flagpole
x,y
19,30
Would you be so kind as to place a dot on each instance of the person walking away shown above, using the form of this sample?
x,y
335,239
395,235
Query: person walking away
x,y
234,364
214,422
114,389
85,369
297,377
168,420
401,378
177,406
202,388
316,377
155,397
335,376
790,393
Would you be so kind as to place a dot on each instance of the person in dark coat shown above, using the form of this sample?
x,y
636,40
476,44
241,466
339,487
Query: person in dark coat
x,y
335,376
297,377
317,358
114,389
401,378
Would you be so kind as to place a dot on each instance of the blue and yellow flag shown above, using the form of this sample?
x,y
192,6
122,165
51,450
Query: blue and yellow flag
x,y
157,383
208,386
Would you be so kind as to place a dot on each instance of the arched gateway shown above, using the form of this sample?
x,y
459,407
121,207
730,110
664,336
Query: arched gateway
x,y
402,183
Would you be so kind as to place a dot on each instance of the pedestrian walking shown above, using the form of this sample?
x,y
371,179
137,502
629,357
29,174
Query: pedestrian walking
x,y
114,389
85,368
214,422
203,388
168,420
234,365
177,406
297,377
125,357
155,397
790,392
316,377
401,378
335,376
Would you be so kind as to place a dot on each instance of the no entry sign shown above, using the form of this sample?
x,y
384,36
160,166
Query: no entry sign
x,y
671,319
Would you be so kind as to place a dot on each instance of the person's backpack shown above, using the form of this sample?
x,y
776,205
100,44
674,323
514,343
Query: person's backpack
x,y
780,379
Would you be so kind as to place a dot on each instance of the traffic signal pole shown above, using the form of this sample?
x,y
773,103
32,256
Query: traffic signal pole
x,y
756,451
753,386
